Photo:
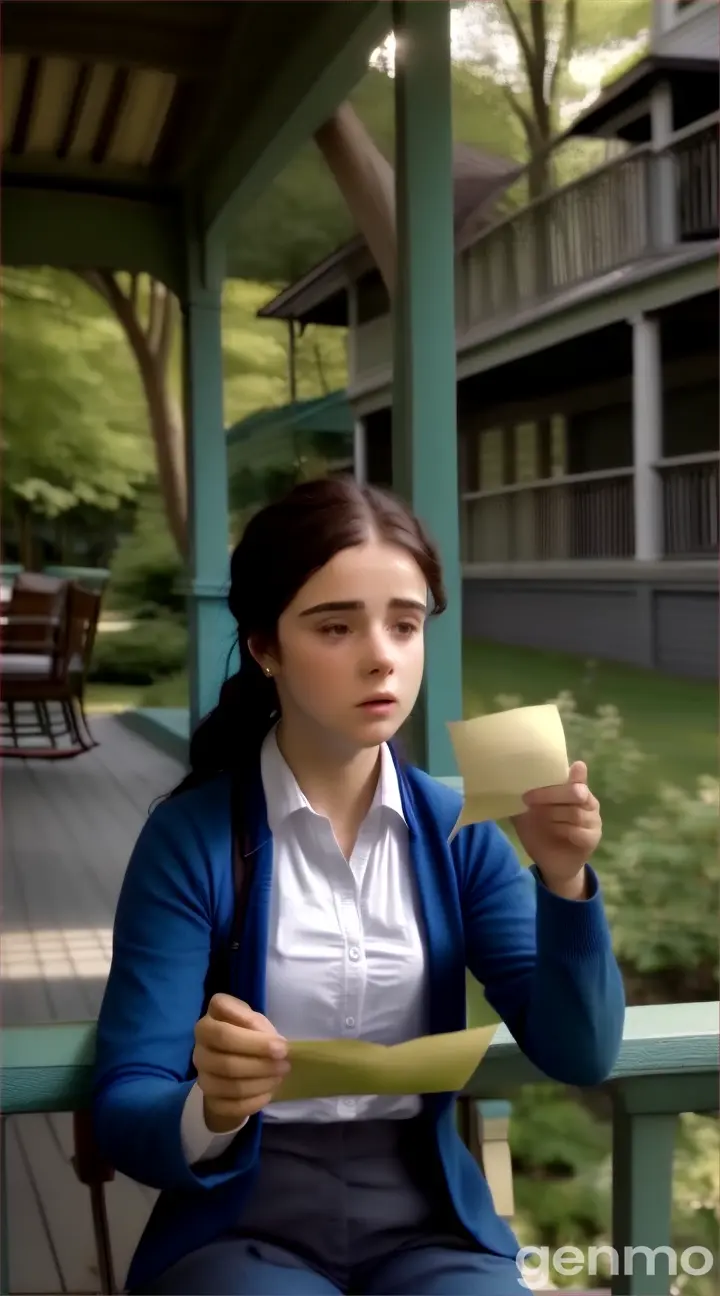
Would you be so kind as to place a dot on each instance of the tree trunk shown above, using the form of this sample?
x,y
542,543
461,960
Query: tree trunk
x,y
168,432
366,181
151,343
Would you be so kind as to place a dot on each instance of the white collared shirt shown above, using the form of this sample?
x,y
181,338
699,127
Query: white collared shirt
x,y
346,958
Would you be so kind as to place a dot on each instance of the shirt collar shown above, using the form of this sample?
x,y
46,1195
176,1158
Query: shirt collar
x,y
284,797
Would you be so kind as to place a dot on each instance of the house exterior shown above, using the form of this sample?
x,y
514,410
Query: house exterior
x,y
587,377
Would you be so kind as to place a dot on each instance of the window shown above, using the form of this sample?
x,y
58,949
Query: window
x,y
491,465
526,452
558,446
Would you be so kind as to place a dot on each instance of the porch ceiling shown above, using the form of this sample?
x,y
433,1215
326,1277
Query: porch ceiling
x,y
97,93
151,101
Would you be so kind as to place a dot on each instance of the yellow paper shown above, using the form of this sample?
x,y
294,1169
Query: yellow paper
x,y
504,755
431,1064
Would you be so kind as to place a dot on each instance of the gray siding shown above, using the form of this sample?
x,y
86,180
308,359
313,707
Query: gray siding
x,y
695,35
686,633
643,623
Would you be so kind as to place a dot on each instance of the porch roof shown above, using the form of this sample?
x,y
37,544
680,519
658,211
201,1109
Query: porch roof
x,y
123,120
329,413
694,84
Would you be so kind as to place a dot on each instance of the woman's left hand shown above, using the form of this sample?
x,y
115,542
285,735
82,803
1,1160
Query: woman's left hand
x,y
560,830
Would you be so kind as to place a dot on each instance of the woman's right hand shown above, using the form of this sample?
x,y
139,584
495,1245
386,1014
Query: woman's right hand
x,y
240,1061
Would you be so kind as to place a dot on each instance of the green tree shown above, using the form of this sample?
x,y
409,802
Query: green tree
x,y
527,48
77,364
73,425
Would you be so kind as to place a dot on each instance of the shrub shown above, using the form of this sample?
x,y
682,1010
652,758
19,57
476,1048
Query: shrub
x,y
661,879
147,572
148,651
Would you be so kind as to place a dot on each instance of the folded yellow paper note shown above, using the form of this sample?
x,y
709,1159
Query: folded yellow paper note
x,y
504,755
431,1064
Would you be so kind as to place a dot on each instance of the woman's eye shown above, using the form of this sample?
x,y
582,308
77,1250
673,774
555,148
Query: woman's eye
x,y
406,628
334,631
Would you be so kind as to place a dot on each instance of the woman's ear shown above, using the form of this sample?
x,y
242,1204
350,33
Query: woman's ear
x,y
265,660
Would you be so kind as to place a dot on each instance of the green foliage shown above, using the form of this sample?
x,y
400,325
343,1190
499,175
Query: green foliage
x,y
255,355
560,1153
562,1172
73,412
667,866
146,572
696,1196
150,650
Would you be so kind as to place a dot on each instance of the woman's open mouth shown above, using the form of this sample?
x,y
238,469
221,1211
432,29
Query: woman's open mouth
x,y
381,705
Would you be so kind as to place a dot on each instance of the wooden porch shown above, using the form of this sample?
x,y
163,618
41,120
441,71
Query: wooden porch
x,y
68,830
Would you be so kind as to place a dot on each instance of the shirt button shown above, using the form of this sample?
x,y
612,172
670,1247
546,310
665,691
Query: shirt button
x,y
349,1022
354,953
348,1105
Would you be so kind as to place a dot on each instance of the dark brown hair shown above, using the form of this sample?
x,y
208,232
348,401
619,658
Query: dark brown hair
x,y
283,545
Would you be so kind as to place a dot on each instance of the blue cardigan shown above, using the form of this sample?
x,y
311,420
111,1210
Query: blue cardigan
x,y
546,965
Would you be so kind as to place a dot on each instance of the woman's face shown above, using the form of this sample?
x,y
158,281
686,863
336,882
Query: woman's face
x,y
351,650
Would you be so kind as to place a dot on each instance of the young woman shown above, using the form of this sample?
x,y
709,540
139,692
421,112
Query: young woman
x,y
300,884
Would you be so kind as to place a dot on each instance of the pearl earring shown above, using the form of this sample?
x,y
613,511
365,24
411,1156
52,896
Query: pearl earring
x,y
268,671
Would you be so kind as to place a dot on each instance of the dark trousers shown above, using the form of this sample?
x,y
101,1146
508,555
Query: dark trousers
x,y
344,1208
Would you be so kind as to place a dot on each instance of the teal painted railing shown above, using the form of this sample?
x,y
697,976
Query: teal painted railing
x,y
668,1064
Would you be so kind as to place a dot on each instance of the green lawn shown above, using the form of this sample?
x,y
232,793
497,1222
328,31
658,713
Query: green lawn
x,y
676,720
113,697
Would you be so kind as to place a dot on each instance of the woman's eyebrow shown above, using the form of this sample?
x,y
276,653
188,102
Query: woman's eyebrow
x,y
413,605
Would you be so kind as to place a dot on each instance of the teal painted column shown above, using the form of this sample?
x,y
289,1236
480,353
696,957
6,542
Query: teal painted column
x,y
424,395
642,1169
210,624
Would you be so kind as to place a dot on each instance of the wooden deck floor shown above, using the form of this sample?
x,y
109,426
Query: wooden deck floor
x,y
68,830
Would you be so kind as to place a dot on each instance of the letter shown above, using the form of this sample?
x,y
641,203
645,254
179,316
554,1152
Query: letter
x,y
706,1262
610,1252
568,1260
534,1276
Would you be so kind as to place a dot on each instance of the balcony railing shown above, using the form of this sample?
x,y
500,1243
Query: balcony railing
x,y
696,180
605,220
691,506
577,517
592,515
613,217
668,1064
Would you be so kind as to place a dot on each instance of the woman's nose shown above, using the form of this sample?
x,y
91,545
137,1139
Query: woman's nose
x,y
379,655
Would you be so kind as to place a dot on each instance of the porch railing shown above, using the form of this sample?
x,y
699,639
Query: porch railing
x,y
586,516
668,1065
690,505
610,218
696,178
603,221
